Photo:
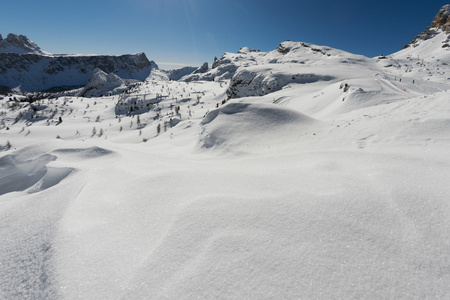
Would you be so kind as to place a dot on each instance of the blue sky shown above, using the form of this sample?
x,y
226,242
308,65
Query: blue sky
x,y
177,32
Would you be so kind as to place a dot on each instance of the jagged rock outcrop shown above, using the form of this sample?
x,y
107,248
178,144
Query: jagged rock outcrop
x,y
441,22
28,71
442,19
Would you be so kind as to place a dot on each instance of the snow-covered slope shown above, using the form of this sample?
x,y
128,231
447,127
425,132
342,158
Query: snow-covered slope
x,y
332,186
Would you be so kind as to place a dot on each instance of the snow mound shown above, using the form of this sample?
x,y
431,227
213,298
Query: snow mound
x,y
18,175
252,127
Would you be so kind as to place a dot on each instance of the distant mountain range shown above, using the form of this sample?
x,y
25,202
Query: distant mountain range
x,y
24,66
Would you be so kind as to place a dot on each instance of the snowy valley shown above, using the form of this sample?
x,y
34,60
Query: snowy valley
x,y
303,172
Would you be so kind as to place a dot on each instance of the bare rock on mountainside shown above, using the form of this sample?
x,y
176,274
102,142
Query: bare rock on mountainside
x,y
440,22
442,19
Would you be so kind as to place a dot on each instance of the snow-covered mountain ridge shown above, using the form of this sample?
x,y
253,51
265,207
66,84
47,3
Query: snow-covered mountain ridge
x,y
25,67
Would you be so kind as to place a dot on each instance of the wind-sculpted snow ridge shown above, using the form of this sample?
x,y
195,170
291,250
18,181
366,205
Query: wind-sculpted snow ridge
x,y
84,153
21,173
32,173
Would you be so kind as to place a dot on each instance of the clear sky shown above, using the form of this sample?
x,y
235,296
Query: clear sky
x,y
190,32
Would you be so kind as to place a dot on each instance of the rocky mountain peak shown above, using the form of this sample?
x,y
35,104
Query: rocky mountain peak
x,y
19,44
442,19
203,69
440,22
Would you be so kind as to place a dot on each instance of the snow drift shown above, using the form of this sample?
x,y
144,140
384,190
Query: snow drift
x,y
240,126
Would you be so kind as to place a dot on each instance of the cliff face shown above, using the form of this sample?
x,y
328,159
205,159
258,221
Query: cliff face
x,y
32,72
441,22
24,66
442,19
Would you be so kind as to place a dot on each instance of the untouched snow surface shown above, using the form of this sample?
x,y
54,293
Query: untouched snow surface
x,y
317,190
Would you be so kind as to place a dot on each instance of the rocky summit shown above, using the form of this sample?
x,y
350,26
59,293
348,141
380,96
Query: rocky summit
x,y
442,20
19,44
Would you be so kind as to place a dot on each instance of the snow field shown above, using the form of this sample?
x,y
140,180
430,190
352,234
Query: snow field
x,y
315,190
